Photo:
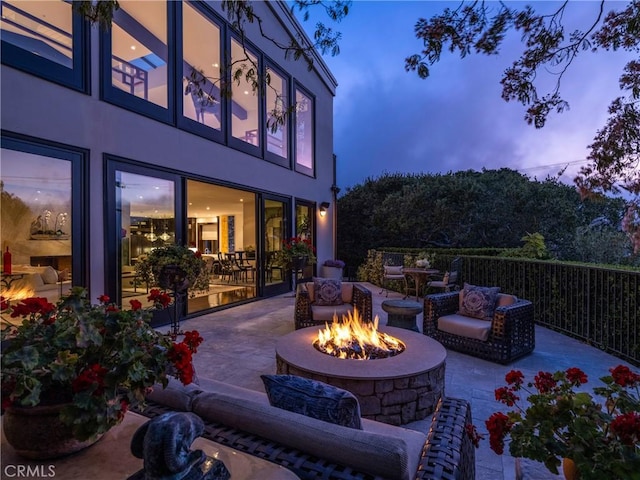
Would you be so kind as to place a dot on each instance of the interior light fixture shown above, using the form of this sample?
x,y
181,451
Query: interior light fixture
x,y
324,206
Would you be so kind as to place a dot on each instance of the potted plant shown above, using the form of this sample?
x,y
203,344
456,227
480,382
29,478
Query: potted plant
x,y
424,260
153,268
79,367
332,269
562,421
297,252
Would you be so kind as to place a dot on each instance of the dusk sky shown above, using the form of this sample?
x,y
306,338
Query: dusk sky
x,y
387,120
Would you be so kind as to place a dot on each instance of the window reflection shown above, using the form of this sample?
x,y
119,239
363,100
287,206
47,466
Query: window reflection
x,y
277,105
244,102
36,224
304,131
139,50
42,28
201,45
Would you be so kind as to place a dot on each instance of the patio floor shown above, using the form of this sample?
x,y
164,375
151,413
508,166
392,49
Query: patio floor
x,y
240,344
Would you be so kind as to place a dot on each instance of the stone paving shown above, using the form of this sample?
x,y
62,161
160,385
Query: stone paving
x,y
240,346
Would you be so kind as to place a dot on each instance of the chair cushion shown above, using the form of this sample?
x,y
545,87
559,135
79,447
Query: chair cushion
x,y
313,399
328,291
325,313
465,326
393,270
504,300
478,302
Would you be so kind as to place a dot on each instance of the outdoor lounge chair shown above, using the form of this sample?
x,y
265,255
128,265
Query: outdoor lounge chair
x,y
309,314
510,334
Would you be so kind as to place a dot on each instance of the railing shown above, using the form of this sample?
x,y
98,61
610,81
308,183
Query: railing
x,y
598,305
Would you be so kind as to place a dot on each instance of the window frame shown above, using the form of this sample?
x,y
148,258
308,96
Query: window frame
x,y
270,156
76,78
79,159
120,98
310,171
233,142
185,123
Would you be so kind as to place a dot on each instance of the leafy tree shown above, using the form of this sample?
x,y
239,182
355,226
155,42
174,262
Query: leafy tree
x,y
492,208
481,27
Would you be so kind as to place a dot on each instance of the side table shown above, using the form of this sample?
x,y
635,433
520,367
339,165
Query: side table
x,y
402,313
111,458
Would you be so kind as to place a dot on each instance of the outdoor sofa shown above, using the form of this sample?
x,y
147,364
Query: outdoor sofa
x,y
244,420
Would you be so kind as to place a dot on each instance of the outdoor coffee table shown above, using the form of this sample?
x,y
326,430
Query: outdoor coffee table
x,y
402,313
111,458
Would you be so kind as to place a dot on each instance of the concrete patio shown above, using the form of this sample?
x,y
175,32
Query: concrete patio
x,y
240,346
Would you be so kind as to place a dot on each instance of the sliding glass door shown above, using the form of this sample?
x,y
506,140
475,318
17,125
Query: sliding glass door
x,y
276,229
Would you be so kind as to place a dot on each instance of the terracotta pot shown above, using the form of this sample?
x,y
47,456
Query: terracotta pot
x,y
38,433
569,469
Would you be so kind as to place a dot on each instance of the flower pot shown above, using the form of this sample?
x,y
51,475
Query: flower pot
x,y
38,433
331,272
298,263
569,469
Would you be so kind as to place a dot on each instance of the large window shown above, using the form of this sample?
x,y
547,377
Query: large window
x,y
45,38
137,61
245,123
277,104
201,66
39,210
304,132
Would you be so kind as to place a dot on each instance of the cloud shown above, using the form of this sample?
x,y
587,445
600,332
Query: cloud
x,y
388,120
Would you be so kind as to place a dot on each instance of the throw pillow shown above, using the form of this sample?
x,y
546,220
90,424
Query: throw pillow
x,y
313,399
327,291
478,302
49,275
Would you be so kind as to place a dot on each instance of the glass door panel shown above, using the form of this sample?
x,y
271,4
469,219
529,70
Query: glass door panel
x,y
276,276
221,224
147,220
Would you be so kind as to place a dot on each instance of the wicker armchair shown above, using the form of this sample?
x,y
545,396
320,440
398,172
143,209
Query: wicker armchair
x,y
355,296
511,335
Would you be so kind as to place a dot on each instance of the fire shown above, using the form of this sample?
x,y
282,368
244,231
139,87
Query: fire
x,y
353,338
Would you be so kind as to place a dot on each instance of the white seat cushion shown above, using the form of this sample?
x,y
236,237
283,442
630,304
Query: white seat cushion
x,y
465,326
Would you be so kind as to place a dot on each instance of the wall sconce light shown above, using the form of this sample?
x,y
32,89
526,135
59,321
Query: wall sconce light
x,y
324,206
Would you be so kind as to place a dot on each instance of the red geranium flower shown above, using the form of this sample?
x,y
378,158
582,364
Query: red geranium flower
x,y
135,304
104,299
623,376
514,377
627,428
506,396
576,376
90,377
498,425
544,382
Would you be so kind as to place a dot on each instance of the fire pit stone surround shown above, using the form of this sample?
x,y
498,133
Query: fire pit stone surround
x,y
396,390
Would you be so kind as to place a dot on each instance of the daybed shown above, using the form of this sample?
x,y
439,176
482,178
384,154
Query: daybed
x,y
309,312
507,335
244,420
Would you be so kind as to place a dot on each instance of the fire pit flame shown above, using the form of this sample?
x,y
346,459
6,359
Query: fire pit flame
x,y
356,339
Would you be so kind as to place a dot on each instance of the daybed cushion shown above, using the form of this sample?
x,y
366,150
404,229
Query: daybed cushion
x,y
465,326
313,399
478,302
378,449
176,395
327,291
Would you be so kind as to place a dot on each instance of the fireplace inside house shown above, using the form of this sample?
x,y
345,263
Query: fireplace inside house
x,y
396,388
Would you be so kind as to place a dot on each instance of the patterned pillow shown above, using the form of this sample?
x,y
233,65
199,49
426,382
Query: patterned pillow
x,y
313,399
327,291
478,302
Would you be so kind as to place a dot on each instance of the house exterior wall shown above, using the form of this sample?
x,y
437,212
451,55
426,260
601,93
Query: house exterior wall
x,y
44,110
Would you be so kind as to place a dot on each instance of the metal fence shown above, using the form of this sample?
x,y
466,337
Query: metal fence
x,y
598,305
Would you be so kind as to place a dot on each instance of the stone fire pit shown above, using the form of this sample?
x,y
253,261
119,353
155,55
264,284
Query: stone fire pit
x,y
395,390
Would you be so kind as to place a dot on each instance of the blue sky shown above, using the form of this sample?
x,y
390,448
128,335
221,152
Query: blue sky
x,y
387,120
